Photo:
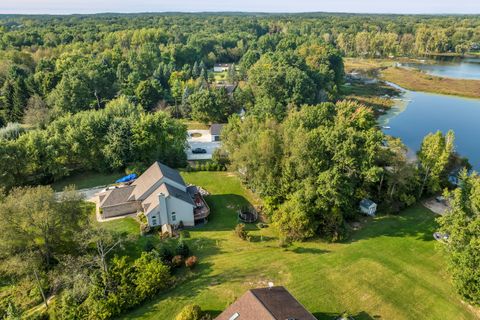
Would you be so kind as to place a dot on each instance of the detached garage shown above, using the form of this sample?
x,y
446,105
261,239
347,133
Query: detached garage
x,y
216,131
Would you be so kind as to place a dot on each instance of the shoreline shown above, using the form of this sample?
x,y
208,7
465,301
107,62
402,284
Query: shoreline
x,y
413,79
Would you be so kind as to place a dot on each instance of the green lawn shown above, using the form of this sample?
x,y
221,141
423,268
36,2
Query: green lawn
x,y
390,269
87,180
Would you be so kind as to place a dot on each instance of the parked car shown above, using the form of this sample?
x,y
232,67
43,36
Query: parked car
x,y
199,150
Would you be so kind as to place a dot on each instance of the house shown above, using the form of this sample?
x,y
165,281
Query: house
x,y
216,131
230,88
368,207
221,67
274,303
161,194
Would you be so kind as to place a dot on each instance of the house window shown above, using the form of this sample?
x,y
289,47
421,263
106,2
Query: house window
x,y
174,217
154,220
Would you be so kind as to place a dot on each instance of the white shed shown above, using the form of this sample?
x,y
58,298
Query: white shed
x,y
368,207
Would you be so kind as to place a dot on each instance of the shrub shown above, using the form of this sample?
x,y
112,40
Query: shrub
x,y
181,225
190,312
144,228
241,232
177,261
220,158
165,254
262,225
190,262
148,246
184,234
142,217
182,249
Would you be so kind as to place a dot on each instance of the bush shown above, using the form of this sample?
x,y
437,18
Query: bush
x,y
144,228
142,217
165,254
177,261
220,158
190,312
182,249
241,232
190,262
148,246
184,234
262,225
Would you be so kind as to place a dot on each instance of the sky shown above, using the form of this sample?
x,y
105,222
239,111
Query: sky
x,y
358,6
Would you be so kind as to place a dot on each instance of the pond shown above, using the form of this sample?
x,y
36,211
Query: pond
x,y
416,114
467,68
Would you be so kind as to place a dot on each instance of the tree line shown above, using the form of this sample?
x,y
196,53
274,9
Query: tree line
x,y
120,136
313,168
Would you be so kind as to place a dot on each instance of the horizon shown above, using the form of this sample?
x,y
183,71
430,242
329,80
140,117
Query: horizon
x,y
79,7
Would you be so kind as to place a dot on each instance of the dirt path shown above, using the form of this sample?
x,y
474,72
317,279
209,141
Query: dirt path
x,y
435,206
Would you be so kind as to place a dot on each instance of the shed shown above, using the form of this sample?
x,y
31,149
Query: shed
x,y
368,207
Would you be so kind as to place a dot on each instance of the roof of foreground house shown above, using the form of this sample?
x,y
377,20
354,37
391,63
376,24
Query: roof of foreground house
x,y
151,177
152,201
274,303
115,196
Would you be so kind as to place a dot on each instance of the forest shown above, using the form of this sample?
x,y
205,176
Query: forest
x,y
112,92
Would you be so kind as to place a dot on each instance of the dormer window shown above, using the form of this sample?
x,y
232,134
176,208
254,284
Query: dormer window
x,y
234,316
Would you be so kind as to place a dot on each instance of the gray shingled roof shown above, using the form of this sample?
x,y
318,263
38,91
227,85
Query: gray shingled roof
x,y
152,200
151,177
116,196
216,129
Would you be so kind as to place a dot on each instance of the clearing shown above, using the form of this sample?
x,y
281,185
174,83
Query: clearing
x,y
389,269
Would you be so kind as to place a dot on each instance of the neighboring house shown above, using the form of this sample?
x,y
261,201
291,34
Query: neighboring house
x,y
274,303
161,194
216,131
230,88
221,67
368,207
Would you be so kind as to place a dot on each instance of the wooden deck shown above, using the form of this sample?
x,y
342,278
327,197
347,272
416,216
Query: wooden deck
x,y
202,211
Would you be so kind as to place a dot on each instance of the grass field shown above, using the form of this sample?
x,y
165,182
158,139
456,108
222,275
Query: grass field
x,y
194,125
419,81
389,269
412,79
87,180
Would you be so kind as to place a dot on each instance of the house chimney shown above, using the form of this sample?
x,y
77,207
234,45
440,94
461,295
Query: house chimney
x,y
162,204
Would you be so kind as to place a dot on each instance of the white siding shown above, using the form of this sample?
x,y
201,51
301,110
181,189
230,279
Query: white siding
x,y
183,211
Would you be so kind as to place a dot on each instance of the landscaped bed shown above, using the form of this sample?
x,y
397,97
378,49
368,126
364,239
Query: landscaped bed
x,y
390,268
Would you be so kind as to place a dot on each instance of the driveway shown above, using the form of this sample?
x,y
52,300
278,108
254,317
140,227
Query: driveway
x,y
89,194
435,206
202,139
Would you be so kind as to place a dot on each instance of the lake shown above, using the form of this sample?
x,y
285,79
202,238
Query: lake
x,y
418,114
468,68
